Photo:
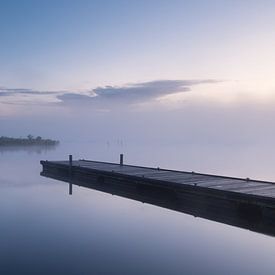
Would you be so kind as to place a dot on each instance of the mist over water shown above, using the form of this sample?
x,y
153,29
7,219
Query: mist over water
x,y
44,230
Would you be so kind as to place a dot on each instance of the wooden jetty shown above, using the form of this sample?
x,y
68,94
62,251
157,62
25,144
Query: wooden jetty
x,y
241,202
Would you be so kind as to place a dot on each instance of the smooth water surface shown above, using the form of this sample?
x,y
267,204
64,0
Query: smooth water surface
x,y
43,230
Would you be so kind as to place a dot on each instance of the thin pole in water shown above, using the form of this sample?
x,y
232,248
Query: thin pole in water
x,y
71,160
121,159
70,188
70,175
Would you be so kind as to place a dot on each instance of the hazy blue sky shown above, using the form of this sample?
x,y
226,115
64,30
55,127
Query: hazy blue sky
x,y
82,44
196,65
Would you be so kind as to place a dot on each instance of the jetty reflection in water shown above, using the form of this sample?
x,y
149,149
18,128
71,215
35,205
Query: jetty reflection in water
x,y
223,212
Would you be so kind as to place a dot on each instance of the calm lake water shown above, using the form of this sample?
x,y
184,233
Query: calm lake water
x,y
43,230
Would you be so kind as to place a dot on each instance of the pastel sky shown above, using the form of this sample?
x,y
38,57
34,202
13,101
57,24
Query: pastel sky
x,y
82,44
88,58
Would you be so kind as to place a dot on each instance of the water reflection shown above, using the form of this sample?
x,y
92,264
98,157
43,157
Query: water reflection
x,y
243,215
31,149
45,231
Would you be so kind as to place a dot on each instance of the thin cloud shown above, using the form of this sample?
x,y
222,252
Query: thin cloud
x,y
133,93
21,96
102,96
18,91
142,91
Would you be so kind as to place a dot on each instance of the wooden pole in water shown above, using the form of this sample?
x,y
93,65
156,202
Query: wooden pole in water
x,y
70,188
70,166
121,159
71,160
71,174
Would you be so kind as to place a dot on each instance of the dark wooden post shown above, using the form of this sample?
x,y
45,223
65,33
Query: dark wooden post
x,y
71,160
121,159
70,174
70,166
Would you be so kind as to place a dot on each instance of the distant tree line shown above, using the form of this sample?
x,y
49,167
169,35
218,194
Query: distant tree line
x,y
29,140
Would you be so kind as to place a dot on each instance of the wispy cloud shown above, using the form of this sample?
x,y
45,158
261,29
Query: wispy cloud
x,y
22,96
18,91
103,96
142,91
150,89
133,93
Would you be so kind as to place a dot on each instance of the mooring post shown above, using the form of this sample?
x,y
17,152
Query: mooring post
x,y
121,159
70,174
71,159
70,165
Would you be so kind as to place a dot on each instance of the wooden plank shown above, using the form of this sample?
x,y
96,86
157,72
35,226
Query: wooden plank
x,y
103,165
185,177
235,186
251,188
113,168
219,181
162,175
123,169
201,181
148,173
